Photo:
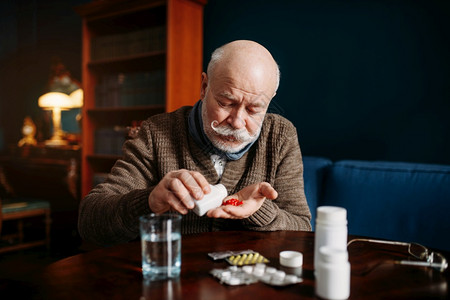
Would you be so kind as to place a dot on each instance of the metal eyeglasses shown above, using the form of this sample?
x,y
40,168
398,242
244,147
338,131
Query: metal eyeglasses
x,y
426,257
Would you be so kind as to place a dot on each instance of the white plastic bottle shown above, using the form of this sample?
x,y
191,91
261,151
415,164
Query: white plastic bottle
x,y
333,274
211,200
331,229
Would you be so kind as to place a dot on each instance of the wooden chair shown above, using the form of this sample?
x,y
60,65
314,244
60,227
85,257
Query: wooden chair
x,y
19,209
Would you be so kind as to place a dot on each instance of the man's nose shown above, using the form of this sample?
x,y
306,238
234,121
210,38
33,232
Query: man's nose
x,y
236,119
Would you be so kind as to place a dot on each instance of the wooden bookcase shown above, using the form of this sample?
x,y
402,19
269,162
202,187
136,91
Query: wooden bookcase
x,y
139,58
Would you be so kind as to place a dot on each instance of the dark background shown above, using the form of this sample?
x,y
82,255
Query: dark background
x,y
361,79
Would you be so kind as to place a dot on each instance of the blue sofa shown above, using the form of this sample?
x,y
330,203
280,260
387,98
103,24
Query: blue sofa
x,y
400,201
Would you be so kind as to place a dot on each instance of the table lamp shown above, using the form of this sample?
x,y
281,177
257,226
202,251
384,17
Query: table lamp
x,y
77,98
56,102
77,101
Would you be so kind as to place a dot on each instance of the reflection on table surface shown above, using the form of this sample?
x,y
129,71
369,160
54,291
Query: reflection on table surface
x,y
115,272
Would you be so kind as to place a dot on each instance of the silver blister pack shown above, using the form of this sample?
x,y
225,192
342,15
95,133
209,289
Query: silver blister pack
x,y
233,276
250,274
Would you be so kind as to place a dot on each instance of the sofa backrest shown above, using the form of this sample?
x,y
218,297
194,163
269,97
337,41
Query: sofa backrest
x,y
407,202
314,169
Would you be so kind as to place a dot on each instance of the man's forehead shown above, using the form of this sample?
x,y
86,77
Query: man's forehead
x,y
231,89
236,94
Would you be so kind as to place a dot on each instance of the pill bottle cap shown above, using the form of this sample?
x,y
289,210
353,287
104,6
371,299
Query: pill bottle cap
x,y
292,259
331,215
332,255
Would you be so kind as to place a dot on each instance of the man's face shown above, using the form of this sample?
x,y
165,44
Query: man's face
x,y
232,112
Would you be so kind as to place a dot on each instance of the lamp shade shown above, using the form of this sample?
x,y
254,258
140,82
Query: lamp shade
x,y
55,100
77,98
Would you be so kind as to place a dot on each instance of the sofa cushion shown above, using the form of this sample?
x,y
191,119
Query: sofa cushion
x,y
392,200
313,174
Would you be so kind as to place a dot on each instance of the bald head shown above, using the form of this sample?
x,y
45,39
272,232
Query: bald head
x,y
247,61
236,92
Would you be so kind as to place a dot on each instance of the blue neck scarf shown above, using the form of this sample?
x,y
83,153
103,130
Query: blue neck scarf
x,y
195,126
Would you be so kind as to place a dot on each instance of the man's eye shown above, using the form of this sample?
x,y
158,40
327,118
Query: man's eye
x,y
224,104
254,110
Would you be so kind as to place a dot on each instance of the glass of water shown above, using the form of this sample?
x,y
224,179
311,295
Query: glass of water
x,y
161,245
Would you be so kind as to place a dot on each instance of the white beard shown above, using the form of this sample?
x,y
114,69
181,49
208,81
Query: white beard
x,y
239,135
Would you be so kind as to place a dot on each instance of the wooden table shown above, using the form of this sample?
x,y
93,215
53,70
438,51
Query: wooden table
x,y
115,272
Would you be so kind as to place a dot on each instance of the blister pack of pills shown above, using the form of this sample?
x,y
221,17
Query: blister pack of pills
x,y
226,254
248,274
246,259
239,258
234,276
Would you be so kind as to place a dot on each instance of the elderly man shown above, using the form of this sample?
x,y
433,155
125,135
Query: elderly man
x,y
227,138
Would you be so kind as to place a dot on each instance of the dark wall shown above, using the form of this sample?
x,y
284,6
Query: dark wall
x,y
361,79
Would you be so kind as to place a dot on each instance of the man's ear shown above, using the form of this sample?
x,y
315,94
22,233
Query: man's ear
x,y
204,85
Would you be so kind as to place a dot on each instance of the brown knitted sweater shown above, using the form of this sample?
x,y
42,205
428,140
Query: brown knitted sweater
x,y
109,213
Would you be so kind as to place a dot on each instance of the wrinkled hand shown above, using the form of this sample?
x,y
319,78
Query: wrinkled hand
x,y
174,191
252,197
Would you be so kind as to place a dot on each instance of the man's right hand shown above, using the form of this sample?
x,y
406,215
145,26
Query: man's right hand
x,y
176,190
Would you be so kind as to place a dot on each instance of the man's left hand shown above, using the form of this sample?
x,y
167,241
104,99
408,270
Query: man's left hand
x,y
252,198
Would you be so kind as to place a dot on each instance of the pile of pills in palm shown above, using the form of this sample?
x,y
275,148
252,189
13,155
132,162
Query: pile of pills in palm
x,y
248,274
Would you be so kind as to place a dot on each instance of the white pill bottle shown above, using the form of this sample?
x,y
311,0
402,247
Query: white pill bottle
x,y
333,274
211,200
331,229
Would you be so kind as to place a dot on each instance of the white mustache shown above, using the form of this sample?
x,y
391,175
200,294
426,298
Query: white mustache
x,y
241,135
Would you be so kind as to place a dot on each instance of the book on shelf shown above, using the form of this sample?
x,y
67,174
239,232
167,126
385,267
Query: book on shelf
x,y
109,140
131,89
130,43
